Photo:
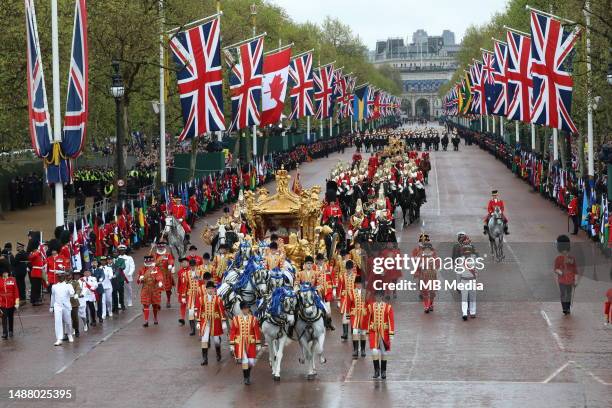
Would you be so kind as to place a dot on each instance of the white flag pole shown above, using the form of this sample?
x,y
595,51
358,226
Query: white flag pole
x,y
533,137
162,101
555,144
308,128
57,113
590,164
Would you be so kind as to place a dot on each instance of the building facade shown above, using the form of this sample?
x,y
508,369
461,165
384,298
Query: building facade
x,y
425,64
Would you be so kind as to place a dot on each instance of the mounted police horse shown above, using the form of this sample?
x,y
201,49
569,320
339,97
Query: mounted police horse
x,y
176,236
310,327
496,234
276,325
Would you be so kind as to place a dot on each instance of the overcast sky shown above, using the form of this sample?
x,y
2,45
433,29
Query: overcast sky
x,y
379,19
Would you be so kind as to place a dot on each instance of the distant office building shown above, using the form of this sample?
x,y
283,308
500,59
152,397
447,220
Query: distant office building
x,y
424,64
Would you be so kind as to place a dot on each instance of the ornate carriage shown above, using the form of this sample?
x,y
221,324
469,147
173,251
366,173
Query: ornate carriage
x,y
284,212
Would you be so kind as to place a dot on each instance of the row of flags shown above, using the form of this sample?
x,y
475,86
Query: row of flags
x,y
58,155
259,83
527,78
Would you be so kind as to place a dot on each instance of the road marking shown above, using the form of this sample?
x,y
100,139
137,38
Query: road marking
x,y
557,371
554,333
96,344
349,374
414,356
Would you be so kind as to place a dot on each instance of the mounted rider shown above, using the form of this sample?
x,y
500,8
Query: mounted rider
x,y
494,203
179,211
331,209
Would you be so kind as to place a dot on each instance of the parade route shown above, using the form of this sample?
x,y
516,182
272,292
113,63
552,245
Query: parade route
x,y
520,351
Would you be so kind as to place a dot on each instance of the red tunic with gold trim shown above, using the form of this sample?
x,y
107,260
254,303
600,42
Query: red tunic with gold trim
x,y
358,307
245,336
55,263
150,277
9,294
218,267
324,282
381,324
346,284
199,260
209,313
182,284
306,276
165,262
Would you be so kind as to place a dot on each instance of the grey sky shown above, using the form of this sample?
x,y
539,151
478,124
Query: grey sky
x,y
379,19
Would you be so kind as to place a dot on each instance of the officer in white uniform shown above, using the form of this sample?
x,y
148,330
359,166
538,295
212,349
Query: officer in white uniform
x,y
61,308
130,267
88,286
107,285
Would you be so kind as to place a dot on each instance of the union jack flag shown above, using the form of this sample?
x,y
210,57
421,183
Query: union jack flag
x,y
197,53
75,118
40,124
479,105
349,96
488,81
339,92
518,75
371,102
551,58
245,63
500,65
300,72
324,82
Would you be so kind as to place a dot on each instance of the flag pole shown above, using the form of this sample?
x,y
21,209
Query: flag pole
x,y
162,101
517,131
254,18
555,144
565,20
590,164
533,137
57,119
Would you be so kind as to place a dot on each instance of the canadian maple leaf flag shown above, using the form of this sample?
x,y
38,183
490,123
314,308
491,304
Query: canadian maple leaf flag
x,y
274,86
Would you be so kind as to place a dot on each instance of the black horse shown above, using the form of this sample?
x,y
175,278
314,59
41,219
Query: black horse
x,y
410,202
337,234
385,231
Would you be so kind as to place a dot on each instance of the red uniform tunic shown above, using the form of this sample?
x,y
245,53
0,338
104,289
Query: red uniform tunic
x,y
331,209
179,211
324,282
210,313
199,260
381,324
194,206
572,208
346,284
182,284
425,272
38,263
495,203
55,264
567,265
245,336
358,308
150,277
165,262
9,293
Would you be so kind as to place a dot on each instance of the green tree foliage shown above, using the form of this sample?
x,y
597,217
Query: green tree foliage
x,y
129,31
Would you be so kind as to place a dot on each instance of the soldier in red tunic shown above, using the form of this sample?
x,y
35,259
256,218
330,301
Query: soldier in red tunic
x,y
152,283
193,254
381,328
179,211
346,284
494,203
572,212
38,269
331,209
182,287
165,262
9,301
359,322
245,338
210,315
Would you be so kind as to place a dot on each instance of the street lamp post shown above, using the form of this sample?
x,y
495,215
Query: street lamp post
x,y
117,91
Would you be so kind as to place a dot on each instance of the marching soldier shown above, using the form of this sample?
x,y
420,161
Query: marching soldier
x,y
359,323
182,287
210,316
325,286
346,284
165,262
75,302
381,328
152,281
9,301
219,263
61,293
245,338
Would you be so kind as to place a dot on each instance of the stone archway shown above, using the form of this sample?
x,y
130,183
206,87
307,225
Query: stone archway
x,y
406,106
422,108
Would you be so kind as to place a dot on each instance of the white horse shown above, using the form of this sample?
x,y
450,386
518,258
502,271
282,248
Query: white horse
x,y
278,318
310,327
496,234
176,236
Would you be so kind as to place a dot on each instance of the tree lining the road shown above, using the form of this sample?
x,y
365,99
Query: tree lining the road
x,y
129,32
